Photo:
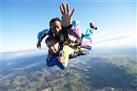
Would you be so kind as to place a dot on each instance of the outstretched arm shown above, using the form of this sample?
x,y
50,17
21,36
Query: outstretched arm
x,y
40,37
66,15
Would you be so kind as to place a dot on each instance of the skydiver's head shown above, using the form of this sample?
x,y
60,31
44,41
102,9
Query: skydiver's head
x,y
93,26
55,26
53,44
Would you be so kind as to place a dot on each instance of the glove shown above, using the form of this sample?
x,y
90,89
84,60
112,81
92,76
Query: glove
x,y
39,45
61,53
61,58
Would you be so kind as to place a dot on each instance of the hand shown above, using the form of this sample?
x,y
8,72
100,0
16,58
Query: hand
x,y
61,53
66,15
61,56
39,45
61,59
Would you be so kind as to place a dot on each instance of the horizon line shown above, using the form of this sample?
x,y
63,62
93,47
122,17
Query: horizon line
x,y
36,49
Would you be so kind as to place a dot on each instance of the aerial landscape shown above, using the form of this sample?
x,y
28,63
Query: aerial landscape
x,y
109,27
97,71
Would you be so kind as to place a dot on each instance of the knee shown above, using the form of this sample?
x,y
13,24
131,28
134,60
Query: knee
x,y
49,63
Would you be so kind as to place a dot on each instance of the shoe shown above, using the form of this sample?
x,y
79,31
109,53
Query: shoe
x,y
93,26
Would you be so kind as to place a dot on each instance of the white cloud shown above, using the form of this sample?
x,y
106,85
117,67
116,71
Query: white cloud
x,y
123,40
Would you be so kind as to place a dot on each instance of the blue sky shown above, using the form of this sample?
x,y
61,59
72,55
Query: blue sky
x,y
21,20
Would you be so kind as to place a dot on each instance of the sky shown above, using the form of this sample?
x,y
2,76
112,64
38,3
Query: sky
x,y
21,20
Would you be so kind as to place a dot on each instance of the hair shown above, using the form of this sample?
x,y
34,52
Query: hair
x,y
51,40
53,20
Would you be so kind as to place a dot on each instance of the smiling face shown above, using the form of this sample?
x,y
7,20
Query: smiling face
x,y
54,48
53,45
56,28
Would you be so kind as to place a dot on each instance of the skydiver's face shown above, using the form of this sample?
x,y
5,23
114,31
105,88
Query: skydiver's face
x,y
53,46
56,27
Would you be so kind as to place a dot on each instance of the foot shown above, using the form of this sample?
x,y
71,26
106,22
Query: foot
x,y
93,26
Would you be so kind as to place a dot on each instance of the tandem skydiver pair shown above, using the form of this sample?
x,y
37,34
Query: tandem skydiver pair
x,y
65,39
